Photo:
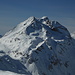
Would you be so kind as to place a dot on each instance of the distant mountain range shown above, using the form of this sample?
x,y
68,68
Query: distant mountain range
x,y
73,35
37,47
0,36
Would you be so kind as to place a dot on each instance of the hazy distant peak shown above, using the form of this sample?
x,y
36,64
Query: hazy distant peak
x,y
0,36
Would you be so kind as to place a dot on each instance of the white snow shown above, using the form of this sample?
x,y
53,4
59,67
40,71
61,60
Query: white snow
x,y
37,47
9,73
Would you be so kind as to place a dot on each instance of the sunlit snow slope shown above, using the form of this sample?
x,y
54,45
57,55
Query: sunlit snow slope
x,y
37,47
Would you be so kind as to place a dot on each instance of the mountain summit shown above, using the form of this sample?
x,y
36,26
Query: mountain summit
x,y
33,24
38,47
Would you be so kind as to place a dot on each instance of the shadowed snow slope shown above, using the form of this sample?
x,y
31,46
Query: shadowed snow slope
x,y
38,47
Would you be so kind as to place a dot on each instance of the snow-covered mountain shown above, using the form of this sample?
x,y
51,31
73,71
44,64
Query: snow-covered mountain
x,y
37,47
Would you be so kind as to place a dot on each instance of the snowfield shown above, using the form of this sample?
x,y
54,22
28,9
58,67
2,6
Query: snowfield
x,y
37,47
9,73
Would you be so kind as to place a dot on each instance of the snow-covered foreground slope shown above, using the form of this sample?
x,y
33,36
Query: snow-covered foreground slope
x,y
9,73
38,47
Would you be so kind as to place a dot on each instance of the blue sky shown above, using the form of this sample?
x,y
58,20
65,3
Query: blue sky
x,y
12,12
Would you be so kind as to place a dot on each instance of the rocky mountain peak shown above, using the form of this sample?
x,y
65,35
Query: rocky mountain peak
x,y
38,47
